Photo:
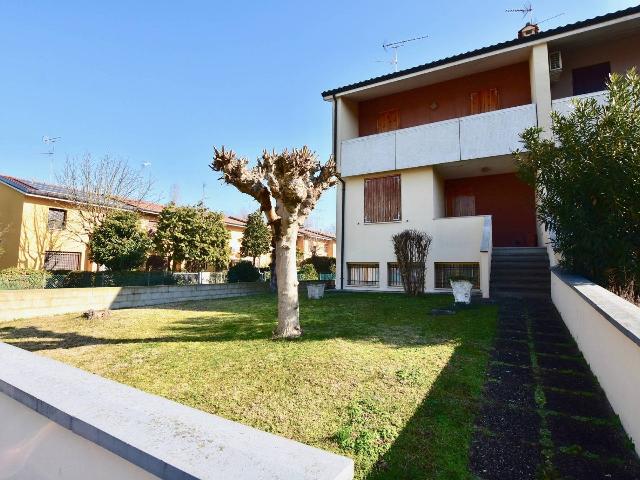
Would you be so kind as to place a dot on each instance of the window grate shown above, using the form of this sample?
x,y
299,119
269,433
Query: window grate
x,y
363,274
57,219
61,260
394,278
444,271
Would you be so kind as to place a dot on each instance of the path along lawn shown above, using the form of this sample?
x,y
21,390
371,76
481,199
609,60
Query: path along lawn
x,y
375,376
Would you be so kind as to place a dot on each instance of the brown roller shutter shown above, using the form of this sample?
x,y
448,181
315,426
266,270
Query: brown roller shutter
x,y
382,199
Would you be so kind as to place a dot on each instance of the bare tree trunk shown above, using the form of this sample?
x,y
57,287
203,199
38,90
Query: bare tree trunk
x,y
287,273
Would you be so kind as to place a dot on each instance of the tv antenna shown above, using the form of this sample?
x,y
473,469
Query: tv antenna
x,y
51,143
526,10
395,46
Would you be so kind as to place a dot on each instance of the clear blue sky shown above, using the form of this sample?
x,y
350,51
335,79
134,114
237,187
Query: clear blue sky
x,y
163,82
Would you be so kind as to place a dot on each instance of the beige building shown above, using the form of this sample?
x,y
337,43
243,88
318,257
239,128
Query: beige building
x,y
42,228
430,148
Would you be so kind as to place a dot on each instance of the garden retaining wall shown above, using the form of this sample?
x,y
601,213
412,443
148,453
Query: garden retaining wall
x,y
16,304
62,422
607,331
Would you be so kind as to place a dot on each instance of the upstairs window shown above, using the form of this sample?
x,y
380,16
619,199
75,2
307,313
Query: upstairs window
x,y
388,121
382,199
57,219
484,101
591,79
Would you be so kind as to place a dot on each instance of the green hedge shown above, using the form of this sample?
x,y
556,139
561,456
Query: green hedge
x,y
20,279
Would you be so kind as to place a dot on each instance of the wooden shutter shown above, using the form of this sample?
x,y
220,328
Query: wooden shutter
x,y
464,206
388,121
484,101
382,199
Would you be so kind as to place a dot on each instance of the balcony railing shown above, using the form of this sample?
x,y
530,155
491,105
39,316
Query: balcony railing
x,y
565,105
476,136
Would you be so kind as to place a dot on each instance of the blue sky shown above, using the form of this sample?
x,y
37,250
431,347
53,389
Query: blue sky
x,y
163,82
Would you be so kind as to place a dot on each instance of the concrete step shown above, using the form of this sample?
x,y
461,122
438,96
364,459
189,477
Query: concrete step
x,y
519,251
520,288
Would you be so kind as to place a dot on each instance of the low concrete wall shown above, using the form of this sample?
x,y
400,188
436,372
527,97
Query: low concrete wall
x,y
64,423
607,331
16,304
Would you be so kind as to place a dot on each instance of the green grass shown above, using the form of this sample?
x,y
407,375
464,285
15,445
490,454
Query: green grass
x,y
375,376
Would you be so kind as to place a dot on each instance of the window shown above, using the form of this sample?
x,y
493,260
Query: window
x,y
388,121
57,219
382,199
464,205
394,279
62,260
363,274
444,271
484,101
591,79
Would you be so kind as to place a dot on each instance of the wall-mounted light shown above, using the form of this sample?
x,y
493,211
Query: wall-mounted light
x,y
434,105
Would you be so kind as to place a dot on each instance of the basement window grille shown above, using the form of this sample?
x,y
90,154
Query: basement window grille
x,y
363,274
444,271
62,260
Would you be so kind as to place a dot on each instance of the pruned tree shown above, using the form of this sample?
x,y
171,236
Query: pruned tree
x,y
256,238
193,235
412,248
98,186
295,179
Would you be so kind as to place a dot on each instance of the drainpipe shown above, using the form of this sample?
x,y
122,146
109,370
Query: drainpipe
x,y
335,152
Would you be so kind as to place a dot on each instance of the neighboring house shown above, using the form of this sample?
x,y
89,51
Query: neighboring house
x,y
43,228
430,147
309,242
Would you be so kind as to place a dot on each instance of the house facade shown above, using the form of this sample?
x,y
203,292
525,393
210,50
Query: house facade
x,y
41,229
430,148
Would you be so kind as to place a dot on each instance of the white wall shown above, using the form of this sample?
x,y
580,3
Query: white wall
x,y
607,331
454,239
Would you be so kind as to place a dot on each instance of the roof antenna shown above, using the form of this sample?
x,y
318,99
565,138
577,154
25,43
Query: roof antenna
x,y
395,46
526,10
51,142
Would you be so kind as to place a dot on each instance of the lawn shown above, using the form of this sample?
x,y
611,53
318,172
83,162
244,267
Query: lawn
x,y
375,376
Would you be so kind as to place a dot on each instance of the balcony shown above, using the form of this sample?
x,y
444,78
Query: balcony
x,y
476,136
564,106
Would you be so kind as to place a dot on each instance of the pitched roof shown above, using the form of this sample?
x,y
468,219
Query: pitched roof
x,y
60,192
484,50
307,232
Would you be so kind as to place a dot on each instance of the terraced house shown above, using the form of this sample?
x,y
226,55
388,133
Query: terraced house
x,y
430,148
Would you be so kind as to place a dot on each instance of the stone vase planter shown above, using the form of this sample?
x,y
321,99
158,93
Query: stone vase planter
x,y
315,291
461,291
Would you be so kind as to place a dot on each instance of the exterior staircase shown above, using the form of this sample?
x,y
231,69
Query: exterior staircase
x,y
520,272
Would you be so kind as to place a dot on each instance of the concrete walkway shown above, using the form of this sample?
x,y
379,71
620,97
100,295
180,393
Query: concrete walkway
x,y
544,415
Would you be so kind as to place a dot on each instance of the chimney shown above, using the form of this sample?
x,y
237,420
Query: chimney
x,y
528,30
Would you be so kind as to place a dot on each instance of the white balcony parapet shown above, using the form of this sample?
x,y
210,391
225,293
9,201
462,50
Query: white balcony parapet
x,y
475,136
565,106
495,133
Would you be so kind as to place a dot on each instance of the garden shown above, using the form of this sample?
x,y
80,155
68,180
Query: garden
x,y
375,377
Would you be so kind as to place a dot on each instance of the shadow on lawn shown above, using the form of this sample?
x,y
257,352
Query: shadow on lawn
x,y
341,318
434,443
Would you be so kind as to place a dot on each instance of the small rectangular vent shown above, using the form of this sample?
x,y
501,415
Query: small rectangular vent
x,y
555,61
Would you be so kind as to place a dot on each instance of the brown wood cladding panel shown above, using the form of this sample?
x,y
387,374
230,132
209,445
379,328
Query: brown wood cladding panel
x,y
382,197
451,97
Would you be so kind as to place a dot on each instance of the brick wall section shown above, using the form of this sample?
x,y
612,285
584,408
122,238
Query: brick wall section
x,y
16,304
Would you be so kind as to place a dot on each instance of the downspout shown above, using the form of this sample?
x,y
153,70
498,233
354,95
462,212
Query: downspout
x,y
335,155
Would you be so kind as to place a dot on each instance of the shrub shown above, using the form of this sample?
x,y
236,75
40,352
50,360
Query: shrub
x,y
20,279
586,178
307,272
321,264
411,248
243,272
119,243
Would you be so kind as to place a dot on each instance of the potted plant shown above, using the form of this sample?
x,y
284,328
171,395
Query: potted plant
x,y
315,289
461,287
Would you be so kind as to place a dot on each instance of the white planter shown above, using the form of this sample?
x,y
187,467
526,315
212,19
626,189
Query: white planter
x,y
315,291
461,291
